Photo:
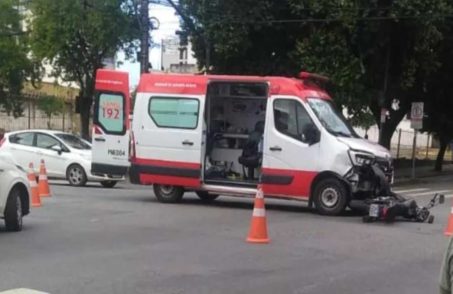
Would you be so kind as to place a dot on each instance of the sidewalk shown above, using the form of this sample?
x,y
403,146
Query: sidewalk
x,y
403,175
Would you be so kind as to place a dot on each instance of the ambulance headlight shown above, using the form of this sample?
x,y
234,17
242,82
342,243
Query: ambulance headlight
x,y
361,158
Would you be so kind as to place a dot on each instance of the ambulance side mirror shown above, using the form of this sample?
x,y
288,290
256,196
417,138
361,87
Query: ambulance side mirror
x,y
312,134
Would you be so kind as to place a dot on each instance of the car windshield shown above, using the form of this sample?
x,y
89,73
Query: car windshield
x,y
74,141
331,118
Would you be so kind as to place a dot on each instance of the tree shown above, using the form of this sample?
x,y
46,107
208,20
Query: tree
x,y
75,36
15,67
374,51
439,99
51,105
237,37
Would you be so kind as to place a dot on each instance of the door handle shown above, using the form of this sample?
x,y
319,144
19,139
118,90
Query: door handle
x,y
1,170
99,139
275,148
187,142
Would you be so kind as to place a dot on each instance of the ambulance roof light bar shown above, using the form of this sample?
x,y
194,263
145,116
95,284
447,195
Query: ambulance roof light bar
x,y
303,75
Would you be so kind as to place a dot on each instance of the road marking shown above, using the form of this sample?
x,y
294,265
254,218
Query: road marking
x,y
431,193
411,190
22,291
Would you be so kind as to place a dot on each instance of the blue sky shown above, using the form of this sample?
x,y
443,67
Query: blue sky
x,y
169,23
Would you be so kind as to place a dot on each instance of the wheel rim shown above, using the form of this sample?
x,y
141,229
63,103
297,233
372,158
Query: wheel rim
x,y
19,211
75,175
167,190
329,197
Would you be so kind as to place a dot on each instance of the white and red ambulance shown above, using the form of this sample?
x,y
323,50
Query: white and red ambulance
x,y
225,135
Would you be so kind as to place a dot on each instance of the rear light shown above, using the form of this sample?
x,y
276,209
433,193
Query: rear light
x,y
132,153
97,130
2,141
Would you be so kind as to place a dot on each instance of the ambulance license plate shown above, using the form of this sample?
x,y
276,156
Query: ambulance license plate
x,y
374,210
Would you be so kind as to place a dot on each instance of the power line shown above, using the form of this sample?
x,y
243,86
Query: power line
x,y
337,19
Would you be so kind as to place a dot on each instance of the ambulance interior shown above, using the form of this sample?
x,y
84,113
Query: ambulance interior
x,y
235,116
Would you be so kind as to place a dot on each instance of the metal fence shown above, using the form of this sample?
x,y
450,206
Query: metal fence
x,y
33,118
402,143
425,150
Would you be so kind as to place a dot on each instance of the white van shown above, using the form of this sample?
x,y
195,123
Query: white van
x,y
227,135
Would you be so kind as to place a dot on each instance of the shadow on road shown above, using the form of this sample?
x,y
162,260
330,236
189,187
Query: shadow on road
x,y
228,202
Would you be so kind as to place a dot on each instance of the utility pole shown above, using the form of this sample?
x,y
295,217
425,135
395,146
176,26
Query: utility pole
x,y
144,40
382,99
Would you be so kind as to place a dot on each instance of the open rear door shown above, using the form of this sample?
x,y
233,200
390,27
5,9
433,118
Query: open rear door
x,y
111,123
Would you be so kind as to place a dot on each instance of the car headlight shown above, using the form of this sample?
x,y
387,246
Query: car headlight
x,y
361,158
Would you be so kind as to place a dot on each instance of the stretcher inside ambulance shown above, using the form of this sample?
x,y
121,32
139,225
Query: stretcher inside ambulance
x,y
227,135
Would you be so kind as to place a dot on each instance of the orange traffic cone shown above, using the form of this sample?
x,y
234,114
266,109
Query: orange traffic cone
x,y
449,229
258,227
43,184
35,200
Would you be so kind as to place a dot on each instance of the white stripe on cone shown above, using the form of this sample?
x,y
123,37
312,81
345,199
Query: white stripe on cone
x,y
451,211
259,194
33,184
260,212
42,177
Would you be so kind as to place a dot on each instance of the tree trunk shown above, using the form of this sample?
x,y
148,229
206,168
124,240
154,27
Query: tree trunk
x,y
86,101
441,154
85,108
386,137
389,127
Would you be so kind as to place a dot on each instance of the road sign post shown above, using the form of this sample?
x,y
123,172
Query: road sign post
x,y
417,115
416,124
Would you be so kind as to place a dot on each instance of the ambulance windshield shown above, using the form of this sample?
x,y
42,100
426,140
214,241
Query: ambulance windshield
x,y
331,118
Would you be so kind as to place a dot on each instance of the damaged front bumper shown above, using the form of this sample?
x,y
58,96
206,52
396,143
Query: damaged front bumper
x,y
372,180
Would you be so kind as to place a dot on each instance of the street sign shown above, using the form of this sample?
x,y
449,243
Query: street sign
x,y
417,115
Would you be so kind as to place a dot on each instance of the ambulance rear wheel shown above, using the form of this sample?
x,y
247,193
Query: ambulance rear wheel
x,y
205,196
330,196
168,193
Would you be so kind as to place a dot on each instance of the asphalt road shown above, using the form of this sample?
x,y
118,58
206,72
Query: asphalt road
x,y
96,240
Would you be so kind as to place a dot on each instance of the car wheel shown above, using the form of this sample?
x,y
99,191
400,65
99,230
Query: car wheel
x,y
205,196
14,211
76,175
330,197
108,184
168,193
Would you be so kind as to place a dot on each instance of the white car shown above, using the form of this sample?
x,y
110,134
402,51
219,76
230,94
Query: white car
x,y
14,194
66,156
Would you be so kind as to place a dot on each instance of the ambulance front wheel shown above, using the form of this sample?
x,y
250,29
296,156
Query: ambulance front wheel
x,y
168,193
330,196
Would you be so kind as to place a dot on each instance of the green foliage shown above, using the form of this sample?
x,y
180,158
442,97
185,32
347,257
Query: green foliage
x,y
75,36
439,98
14,64
51,105
238,36
373,51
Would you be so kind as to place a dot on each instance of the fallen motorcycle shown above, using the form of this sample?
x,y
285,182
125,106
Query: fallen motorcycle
x,y
389,208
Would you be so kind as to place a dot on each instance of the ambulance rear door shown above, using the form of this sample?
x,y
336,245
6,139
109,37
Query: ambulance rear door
x,y
110,154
